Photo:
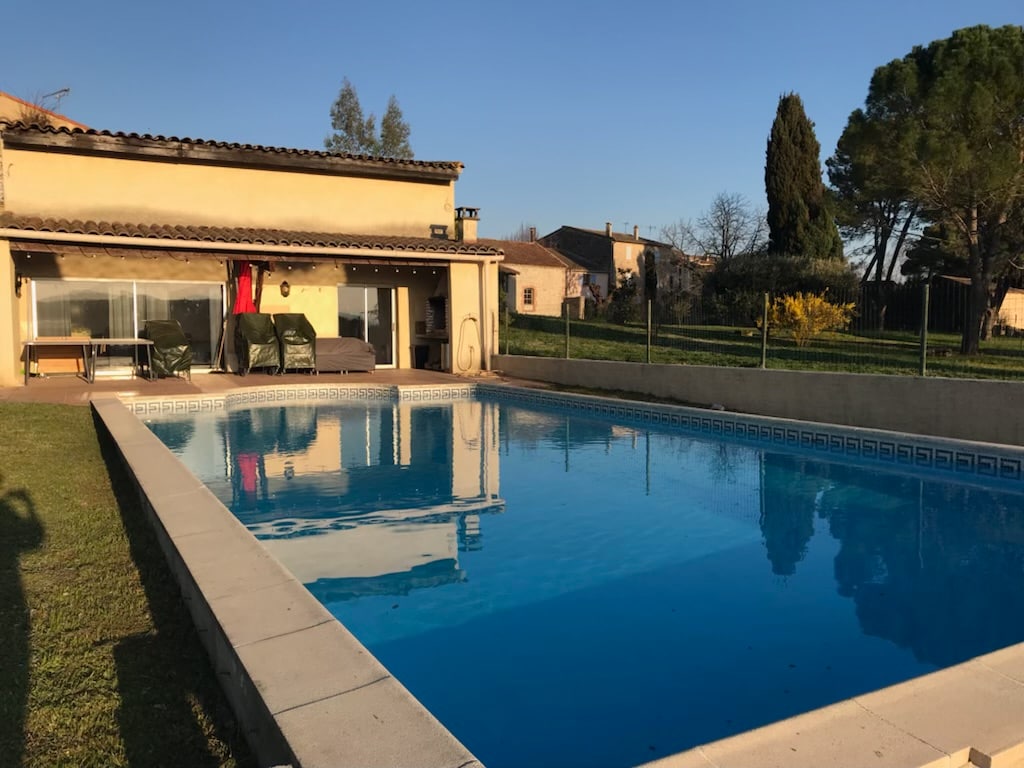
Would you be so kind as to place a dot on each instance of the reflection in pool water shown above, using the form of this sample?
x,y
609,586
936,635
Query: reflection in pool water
x,y
622,593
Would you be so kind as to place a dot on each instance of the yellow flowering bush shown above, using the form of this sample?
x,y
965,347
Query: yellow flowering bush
x,y
805,315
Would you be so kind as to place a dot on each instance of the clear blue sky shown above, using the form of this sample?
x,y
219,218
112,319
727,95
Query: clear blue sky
x,y
562,112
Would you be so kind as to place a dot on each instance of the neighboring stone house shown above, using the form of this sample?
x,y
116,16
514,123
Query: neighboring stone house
x,y
603,253
100,231
536,279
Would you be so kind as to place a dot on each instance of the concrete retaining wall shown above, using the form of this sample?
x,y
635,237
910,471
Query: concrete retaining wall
x,y
965,409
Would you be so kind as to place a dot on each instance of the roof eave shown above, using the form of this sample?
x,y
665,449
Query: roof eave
x,y
210,153
460,253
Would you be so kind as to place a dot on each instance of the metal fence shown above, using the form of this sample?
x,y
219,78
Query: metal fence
x,y
905,329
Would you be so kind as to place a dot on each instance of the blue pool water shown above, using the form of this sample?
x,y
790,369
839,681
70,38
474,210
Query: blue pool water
x,y
562,590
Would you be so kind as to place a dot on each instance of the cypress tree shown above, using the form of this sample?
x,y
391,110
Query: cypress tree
x,y
801,220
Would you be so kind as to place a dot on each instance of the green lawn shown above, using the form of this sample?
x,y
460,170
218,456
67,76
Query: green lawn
x,y
99,662
892,353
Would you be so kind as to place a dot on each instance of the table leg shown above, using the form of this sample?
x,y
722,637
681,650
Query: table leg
x,y
91,351
28,362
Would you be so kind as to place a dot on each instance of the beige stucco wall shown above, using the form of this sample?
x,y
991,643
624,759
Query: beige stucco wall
x,y
965,409
138,191
548,285
464,314
1011,313
625,256
473,312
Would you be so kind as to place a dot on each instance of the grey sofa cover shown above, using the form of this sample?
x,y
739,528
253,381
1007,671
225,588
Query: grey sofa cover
x,y
344,353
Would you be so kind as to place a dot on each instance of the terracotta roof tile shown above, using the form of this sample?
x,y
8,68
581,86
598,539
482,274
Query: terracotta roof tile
x,y
530,254
140,141
242,235
620,237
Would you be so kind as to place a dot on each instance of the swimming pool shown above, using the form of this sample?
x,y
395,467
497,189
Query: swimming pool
x,y
558,588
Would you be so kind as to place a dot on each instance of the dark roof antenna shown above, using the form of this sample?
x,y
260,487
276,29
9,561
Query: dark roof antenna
x,y
56,96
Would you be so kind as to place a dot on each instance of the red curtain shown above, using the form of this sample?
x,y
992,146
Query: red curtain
x,y
243,289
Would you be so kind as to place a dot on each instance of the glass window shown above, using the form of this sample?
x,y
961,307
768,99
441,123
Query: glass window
x,y
196,307
366,312
527,297
103,309
88,308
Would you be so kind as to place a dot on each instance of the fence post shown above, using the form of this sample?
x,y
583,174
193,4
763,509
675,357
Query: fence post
x,y
648,331
566,305
764,333
926,295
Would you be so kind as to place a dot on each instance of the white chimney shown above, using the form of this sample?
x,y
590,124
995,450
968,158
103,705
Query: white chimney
x,y
636,232
608,229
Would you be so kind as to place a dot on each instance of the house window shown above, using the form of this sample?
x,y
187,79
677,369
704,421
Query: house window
x,y
119,309
527,298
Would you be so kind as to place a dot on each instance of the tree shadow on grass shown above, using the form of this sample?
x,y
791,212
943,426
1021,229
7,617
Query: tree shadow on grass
x,y
172,711
20,532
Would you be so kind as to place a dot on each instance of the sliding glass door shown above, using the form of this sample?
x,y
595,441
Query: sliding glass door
x,y
198,308
112,309
368,313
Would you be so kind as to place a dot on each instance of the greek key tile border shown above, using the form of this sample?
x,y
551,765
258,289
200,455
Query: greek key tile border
x,y
981,460
148,406
434,393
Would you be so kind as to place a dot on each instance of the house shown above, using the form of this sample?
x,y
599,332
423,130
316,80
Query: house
x,y
604,253
15,110
100,231
536,279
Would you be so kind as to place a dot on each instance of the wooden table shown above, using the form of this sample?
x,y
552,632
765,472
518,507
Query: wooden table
x,y
90,350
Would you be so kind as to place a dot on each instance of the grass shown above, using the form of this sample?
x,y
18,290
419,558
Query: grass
x,y
101,665
889,353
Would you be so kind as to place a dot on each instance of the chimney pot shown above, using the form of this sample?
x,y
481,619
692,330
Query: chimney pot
x,y
636,232
533,234
608,228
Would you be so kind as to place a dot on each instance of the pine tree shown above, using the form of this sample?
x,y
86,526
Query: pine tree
x,y
957,104
801,219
